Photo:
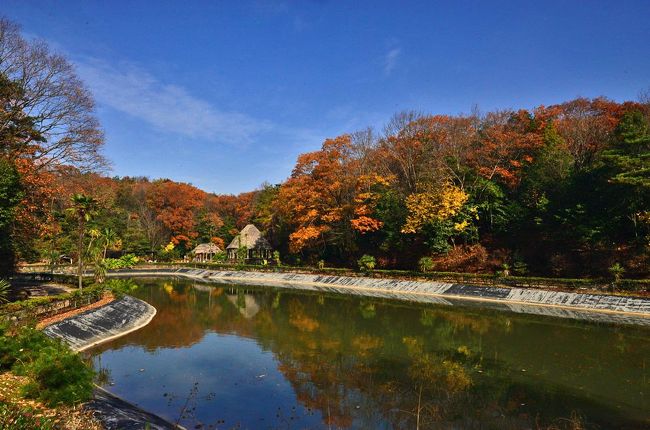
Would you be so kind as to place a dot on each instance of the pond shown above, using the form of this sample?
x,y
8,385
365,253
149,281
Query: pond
x,y
217,357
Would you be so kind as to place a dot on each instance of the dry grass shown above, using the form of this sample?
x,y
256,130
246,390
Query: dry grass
x,y
65,418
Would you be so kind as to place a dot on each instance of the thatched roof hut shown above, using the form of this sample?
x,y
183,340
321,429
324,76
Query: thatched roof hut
x,y
250,238
205,251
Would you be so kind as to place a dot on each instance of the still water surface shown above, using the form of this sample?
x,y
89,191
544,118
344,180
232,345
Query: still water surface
x,y
262,358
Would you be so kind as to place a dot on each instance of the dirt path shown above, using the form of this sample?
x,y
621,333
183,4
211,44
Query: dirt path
x,y
108,298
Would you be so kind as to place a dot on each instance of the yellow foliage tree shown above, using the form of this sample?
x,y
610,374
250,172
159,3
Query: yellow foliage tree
x,y
433,205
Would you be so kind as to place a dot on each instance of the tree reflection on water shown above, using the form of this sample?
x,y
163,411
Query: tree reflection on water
x,y
355,363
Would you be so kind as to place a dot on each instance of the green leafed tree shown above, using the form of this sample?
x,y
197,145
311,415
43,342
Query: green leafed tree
x,y
630,155
629,160
10,192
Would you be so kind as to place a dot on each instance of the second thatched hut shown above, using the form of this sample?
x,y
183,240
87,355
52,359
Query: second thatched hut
x,y
205,252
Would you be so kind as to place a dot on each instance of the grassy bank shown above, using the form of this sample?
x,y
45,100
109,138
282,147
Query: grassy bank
x,y
42,382
20,413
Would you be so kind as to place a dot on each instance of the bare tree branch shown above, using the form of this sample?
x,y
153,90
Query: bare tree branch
x,y
62,108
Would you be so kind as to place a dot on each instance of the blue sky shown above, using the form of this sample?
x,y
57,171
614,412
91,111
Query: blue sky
x,y
225,95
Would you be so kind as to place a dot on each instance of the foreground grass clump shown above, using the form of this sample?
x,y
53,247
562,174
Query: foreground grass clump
x,y
55,375
14,417
19,413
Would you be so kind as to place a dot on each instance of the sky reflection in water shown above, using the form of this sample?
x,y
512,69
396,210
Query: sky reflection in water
x,y
219,358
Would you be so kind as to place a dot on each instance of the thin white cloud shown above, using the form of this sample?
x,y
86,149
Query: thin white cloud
x,y
166,107
390,60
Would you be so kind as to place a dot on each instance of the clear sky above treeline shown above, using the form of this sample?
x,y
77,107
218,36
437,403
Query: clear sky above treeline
x,y
226,94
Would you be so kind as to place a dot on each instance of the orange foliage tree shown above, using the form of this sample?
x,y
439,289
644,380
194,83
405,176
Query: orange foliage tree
x,y
176,205
330,197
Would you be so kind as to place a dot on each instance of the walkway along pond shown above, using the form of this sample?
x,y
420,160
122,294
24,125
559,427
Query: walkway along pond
x,y
595,307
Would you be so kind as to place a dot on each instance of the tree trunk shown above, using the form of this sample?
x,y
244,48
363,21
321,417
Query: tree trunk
x,y
80,257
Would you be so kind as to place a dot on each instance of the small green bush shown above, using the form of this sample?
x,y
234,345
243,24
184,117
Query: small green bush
x,y
276,258
120,287
367,263
242,254
617,271
520,268
506,270
425,264
19,351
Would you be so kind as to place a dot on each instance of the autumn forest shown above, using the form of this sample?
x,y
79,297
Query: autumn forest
x,y
561,190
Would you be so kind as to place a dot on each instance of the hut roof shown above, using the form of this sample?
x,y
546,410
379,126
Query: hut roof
x,y
251,238
206,248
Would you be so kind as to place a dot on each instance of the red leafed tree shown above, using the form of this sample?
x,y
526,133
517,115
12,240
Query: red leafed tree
x,y
238,208
176,205
587,126
507,143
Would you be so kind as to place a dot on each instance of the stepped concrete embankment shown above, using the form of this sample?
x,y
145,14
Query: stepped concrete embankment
x,y
596,307
99,325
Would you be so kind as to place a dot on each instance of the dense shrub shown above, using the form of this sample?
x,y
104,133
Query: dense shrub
x,y
56,374
19,351
520,268
120,286
126,261
367,263
59,376
220,257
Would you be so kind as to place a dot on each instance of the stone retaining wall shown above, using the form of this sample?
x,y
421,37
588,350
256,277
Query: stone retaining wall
x,y
53,307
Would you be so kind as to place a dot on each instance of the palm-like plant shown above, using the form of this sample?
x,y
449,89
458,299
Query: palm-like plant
x,y
109,239
5,288
83,209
